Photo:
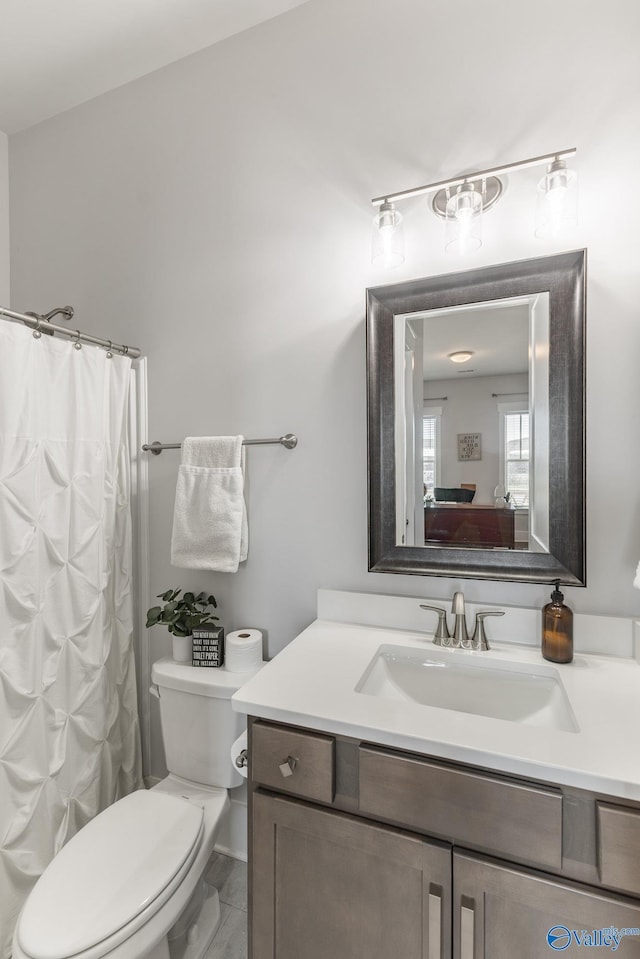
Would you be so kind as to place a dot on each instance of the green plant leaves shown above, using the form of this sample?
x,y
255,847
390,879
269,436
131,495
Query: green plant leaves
x,y
153,615
205,600
182,616
170,594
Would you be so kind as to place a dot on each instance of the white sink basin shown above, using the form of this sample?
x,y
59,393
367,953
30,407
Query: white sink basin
x,y
466,683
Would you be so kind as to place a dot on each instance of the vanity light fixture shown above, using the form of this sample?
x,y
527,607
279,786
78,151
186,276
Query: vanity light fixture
x,y
462,201
460,356
557,206
387,241
463,216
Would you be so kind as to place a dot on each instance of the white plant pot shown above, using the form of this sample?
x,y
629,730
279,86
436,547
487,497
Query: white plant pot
x,y
182,649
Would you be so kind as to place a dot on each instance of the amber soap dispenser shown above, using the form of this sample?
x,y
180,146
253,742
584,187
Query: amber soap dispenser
x,y
557,629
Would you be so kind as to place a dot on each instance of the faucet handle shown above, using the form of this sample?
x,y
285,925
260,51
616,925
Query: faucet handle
x,y
479,639
442,630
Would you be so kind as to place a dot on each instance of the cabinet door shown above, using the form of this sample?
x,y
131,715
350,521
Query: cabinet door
x,y
499,913
327,886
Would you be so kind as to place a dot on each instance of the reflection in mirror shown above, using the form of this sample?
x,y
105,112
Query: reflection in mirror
x,y
472,425
475,385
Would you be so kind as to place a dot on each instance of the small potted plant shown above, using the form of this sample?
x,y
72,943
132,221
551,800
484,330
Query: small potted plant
x,y
181,616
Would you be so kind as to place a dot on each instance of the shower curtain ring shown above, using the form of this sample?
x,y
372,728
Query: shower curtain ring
x,y
109,353
36,333
77,345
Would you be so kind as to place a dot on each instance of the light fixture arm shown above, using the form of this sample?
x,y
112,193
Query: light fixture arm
x,y
471,177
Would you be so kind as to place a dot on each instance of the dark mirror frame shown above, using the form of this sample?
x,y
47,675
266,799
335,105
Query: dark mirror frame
x,y
563,276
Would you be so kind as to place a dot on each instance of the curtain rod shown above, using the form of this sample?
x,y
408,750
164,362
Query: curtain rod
x,y
41,324
289,442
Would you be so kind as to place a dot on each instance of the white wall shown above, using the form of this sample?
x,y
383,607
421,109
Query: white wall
x,y
471,408
216,213
4,220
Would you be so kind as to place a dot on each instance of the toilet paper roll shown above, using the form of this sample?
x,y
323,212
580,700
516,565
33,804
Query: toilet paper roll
x,y
243,650
239,756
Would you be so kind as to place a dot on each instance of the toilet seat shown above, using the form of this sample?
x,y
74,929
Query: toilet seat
x,y
86,902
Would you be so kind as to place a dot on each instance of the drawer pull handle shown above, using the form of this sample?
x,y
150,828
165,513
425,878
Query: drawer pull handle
x,y
467,921
287,767
435,922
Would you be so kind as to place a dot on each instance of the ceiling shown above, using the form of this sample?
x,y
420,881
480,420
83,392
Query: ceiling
x,y
55,54
497,333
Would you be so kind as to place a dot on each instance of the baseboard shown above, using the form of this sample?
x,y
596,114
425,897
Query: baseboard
x,y
232,835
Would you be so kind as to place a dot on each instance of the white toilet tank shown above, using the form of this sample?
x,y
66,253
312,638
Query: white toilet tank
x,y
199,725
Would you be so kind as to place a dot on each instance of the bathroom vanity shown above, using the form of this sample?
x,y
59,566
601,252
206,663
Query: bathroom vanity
x,y
363,851
383,826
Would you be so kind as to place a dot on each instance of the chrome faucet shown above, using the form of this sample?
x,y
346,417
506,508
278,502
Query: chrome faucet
x,y
460,633
460,638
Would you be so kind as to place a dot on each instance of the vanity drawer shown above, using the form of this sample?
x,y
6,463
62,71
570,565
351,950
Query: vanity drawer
x,y
519,821
301,763
619,847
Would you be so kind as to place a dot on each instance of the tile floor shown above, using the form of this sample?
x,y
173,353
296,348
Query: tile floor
x,y
230,879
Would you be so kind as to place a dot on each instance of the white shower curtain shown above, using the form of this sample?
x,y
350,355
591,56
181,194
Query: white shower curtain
x,y
69,733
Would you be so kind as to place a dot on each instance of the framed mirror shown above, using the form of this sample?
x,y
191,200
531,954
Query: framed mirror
x,y
476,396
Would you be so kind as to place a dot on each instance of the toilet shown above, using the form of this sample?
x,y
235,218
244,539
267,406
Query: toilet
x,y
130,883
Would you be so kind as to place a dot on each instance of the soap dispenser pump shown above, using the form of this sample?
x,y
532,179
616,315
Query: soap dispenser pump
x,y
557,629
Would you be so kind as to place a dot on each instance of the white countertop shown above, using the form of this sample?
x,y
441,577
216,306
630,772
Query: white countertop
x,y
312,683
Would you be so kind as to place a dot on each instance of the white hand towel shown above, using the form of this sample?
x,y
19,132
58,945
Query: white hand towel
x,y
210,516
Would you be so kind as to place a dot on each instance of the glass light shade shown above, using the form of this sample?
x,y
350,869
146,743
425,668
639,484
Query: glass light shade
x,y
387,247
557,201
460,356
463,222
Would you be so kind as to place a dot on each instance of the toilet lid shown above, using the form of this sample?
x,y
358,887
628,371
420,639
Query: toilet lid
x,y
108,873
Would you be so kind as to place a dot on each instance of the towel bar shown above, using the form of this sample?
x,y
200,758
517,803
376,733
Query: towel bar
x,y
289,442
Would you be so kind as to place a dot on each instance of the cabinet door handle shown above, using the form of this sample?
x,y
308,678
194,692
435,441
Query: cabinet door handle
x,y
287,767
467,920
435,922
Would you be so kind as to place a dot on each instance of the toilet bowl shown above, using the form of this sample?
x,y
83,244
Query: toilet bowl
x,y
130,883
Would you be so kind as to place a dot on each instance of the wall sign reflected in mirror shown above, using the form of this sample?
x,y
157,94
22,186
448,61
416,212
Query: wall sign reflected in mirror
x,y
469,445
476,422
